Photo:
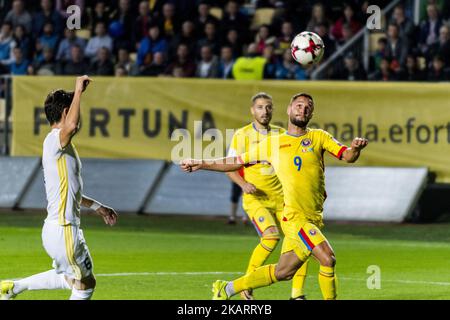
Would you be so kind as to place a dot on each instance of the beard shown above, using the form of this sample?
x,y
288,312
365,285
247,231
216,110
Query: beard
x,y
264,121
299,123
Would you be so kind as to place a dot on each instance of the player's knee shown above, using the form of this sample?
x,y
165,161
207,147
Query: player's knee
x,y
270,240
328,261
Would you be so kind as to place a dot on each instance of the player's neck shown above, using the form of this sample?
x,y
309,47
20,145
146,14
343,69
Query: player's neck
x,y
260,127
296,131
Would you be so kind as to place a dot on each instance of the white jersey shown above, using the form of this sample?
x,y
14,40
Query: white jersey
x,y
63,183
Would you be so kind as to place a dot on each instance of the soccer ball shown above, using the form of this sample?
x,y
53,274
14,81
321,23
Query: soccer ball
x,y
307,48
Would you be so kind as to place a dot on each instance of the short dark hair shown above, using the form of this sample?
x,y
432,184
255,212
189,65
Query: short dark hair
x,y
303,94
261,95
55,104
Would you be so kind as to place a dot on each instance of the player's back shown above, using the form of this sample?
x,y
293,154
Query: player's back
x,y
63,183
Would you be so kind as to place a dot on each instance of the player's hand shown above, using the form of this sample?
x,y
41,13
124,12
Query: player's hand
x,y
248,188
359,144
190,165
82,83
108,214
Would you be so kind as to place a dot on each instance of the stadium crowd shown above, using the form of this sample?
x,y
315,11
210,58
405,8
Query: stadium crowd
x,y
182,38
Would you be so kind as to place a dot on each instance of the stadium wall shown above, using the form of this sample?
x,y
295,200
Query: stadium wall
x,y
407,123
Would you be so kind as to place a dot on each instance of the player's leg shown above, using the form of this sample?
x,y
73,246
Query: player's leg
x,y
327,275
236,192
298,282
261,277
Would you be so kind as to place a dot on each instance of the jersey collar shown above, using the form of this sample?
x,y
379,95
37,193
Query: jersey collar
x,y
256,129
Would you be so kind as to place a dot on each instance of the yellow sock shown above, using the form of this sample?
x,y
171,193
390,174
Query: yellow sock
x,y
261,253
328,282
298,281
261,277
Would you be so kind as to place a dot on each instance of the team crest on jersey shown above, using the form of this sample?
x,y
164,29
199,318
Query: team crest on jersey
x,y
306,142
261,219
312,232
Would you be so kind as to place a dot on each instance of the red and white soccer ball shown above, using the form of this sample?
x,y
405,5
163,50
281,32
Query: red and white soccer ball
x,y
307,48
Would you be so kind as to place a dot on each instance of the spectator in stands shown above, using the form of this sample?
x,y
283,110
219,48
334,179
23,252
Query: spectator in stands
x,y
156,67
322,30
351,70
22,40
442,47
101,40
48,39
100,13
154,42
429,29
47,14
347,19
208,66
18,15
183,66
124,60
251,66
286,37
347,34
233,19
204,17
411,71
318,16
263,38
187,36
437,71
168,21
406,26
287,69
270,67
233,41
70,39
62,5
47,66
123,19
384,73
120,71
210,38
226,63
380,53
143,21
6,44
20,65
102,66
77,65
397,48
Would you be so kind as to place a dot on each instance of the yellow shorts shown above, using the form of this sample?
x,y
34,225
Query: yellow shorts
x,y
263,213
301,237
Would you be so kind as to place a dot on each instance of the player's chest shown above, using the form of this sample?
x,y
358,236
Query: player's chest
x,y
295,155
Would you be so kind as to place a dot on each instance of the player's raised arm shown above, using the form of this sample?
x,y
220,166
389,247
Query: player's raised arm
x,y
108,214
351,155
70,125
228,164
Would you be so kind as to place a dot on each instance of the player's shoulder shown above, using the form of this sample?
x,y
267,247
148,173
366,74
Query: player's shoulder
x,y
319,132
276,128
245,130
52,139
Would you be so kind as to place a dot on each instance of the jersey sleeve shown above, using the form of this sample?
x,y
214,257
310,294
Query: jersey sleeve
x,y
333,146
237,145
52,145
260,153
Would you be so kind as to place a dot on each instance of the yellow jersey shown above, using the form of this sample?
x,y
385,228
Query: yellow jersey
x,y
299,165
261,174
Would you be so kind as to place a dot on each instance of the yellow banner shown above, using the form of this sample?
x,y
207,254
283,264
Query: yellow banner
x,y
407,124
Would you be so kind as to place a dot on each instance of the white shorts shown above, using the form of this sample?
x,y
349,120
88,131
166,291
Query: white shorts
x,y
68,249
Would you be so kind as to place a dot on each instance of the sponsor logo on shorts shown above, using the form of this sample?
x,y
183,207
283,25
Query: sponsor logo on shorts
x,y
312,232
306,142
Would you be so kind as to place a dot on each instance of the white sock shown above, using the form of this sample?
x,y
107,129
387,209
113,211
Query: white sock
x,y
81,294
229,289
48,280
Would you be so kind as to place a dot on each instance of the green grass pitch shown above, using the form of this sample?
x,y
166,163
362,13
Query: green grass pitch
x,y
170,258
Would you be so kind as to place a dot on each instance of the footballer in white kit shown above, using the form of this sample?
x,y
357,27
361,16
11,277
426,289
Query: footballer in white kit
x,y
62,237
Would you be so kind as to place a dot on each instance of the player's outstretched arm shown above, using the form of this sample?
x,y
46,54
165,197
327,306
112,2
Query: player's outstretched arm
x,y
222,165
70,126
108,214
351,155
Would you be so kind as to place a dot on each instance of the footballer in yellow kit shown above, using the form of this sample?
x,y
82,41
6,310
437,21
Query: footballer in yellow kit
x,y
263,194
297,157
